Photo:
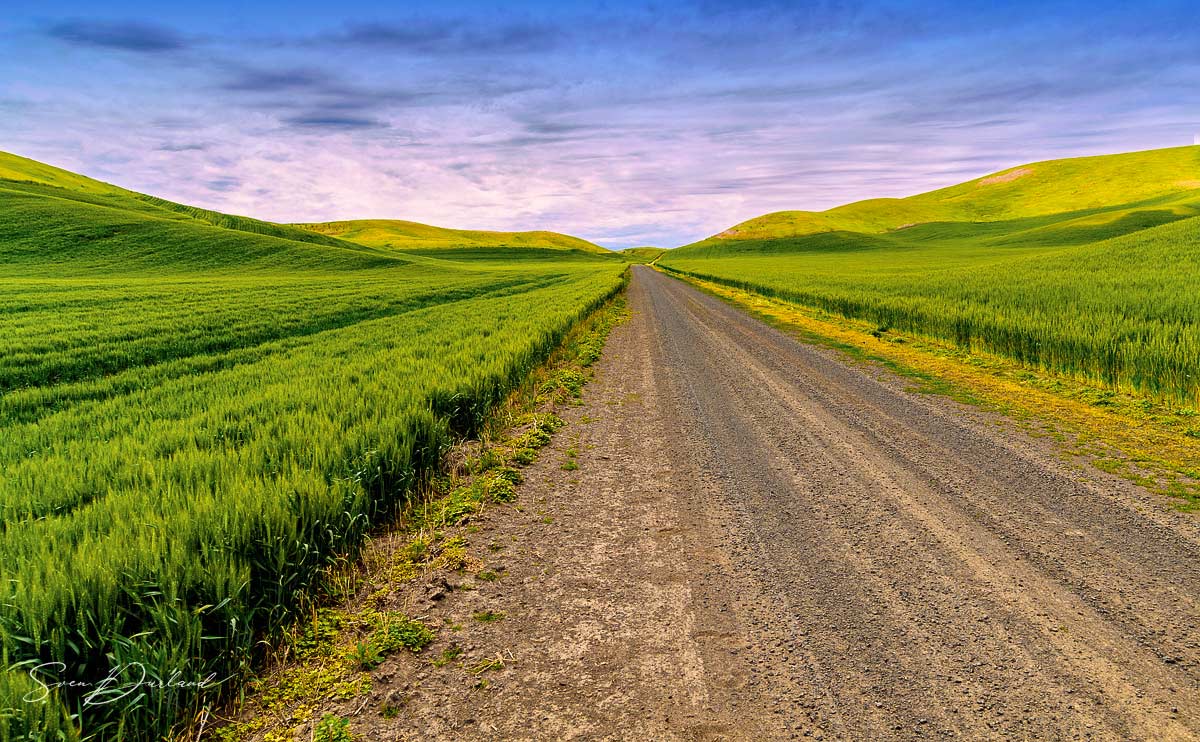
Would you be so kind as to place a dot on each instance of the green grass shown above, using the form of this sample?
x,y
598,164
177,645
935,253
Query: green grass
x,y
1081,267
199,415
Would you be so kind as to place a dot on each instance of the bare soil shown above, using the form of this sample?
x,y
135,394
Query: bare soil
x,y
765,542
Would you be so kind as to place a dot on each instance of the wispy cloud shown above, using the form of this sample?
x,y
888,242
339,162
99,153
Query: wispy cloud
x,y
333,121
448,37
127,36
302,79
223,184
315,98
183,147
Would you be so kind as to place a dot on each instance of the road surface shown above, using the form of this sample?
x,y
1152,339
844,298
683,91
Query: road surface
x,y
766,542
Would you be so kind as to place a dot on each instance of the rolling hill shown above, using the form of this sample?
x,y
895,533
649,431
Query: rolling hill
x,y
87,225
643,254
412,236
20,173
1069,201
1083,267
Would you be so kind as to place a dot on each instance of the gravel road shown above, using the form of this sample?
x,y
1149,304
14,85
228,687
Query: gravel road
x,y
766,542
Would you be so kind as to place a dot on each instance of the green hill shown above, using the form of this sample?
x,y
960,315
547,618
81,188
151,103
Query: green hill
x,y
1083,267
20,173
55,220
45,230
643,254
1058,201
412,236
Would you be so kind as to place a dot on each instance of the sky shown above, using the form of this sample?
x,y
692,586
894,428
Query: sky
x,y
626,123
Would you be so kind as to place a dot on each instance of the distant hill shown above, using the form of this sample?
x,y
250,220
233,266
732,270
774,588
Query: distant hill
x,y
643,254
52,220
1057,201
20,170
56,220
403,235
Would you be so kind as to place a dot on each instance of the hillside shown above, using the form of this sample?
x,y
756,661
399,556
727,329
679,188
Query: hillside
x,y
643,254
47,212
31,176
1067,201
404,235
1081,267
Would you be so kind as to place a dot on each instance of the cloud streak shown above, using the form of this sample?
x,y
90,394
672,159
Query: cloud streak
x,y
126,36
448,37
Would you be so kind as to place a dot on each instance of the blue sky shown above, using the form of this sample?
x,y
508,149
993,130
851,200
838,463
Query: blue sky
x,y
625,123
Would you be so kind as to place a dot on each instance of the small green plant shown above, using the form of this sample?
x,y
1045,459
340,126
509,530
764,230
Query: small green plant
x,y
332,728
567,380
316,636
572,463
488,616
366,655
416,549
452,554
396,631
448,655
489,459
501,484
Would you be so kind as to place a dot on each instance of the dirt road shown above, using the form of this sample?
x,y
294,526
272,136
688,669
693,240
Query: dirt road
x,y
763,542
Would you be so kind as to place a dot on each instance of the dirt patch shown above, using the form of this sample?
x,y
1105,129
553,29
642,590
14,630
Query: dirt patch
x,y
1008,177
